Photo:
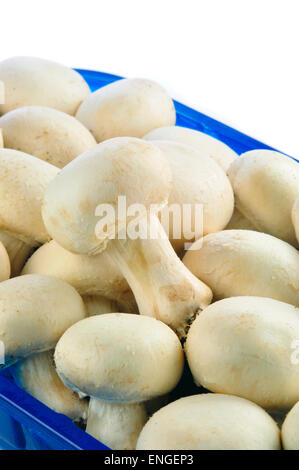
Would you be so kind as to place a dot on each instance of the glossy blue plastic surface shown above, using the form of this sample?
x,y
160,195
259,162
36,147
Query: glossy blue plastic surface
x,y
25,423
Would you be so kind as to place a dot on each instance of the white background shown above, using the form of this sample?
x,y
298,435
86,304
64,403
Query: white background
x,y
233,59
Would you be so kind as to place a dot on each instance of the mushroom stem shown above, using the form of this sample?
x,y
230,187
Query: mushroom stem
x,y
17,250
116,425
163,287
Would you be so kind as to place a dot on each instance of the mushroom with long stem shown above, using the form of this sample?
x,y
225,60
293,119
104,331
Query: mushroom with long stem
x,y
136,169
120,361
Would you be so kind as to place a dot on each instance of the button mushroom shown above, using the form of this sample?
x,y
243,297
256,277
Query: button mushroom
x,y
295,217
128,107
35,312
210,422
266,185
37,375
243,346
244,262
214,148
23,180
197,180
90,275
46,133
120,361
290,429
33,81
137,170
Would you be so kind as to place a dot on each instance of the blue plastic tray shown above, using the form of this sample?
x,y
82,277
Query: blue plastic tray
x,y
25,423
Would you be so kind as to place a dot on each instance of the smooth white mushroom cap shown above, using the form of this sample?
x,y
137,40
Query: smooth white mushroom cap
x,y
122,166
210,422
46,133
4,263
35,311
266,185
128,107
214,148
245,262
290,429
243,346
295,217
37,375
120,358
23,181
197,179
31,81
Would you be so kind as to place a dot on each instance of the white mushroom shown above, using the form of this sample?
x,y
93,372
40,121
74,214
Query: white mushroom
x,y
37,375
90,275
244,262
266,185
214,148
33,81
245,346
162,285
97,305
120,361
46,133
197,180
128,107
23,180
35,311
290,429
210,422
295,217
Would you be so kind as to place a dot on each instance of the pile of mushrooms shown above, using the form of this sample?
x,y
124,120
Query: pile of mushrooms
x,y
96,323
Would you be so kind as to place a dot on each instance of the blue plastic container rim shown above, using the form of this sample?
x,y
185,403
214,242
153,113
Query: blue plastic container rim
x,y
56,430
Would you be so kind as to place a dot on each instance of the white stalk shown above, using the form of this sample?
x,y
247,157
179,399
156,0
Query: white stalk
x,y
163,287
116,425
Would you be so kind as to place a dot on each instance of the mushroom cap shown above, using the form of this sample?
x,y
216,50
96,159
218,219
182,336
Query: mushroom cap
x,y
127,107
90,275
245,262
35,311
197,179
266,185
4,263
120,358
23,181
290,429
295,217
243,346
33,81
37,375
46,133
214,148
210,422
123,166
